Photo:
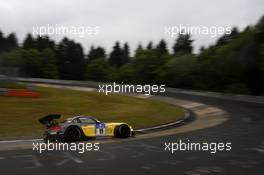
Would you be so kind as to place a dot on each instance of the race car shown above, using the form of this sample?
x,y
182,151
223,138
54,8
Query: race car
x,y
81,128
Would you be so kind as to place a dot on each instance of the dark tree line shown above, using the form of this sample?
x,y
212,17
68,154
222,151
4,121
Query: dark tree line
x,y
234,64
8,43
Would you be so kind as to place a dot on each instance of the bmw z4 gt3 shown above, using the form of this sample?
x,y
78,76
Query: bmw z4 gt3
x,y
81,128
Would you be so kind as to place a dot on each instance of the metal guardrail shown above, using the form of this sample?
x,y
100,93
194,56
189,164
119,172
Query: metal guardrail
x,y
60,82
227,96
3,91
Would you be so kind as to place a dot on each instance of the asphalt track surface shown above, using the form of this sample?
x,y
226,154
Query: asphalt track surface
x,y
244,129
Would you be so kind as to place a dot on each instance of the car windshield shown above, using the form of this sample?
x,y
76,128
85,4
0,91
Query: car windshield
x,y
87,120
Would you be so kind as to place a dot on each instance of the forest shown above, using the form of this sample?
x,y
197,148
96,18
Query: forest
x,y
234,64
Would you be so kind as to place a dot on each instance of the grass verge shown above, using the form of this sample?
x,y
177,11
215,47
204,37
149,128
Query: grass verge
x,y
11,85
18,116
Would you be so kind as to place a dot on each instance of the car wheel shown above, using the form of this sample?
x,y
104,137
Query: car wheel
x,y
122,131
72,135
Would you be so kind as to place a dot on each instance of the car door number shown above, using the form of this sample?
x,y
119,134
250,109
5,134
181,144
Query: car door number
x,y
100,129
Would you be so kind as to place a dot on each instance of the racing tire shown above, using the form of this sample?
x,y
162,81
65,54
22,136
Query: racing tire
x,y
72,134
122,131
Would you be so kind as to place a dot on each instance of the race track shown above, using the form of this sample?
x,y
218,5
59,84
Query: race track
x,y
244,129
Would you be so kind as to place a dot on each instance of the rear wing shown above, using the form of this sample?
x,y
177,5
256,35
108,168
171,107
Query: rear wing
x,y
50,120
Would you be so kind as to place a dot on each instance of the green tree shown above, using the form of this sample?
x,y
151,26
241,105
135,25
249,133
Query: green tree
x,y
70,60
161,48
126,54
2,42
48,64
11,42
147,66
179,71
44,42
183,44
94,53
31,66
138,50
150,45
116,56
11,59
98,70
29,42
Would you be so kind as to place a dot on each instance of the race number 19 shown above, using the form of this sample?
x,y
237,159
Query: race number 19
x,y
100,129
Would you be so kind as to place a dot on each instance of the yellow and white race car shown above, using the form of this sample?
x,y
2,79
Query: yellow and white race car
x,y
81,128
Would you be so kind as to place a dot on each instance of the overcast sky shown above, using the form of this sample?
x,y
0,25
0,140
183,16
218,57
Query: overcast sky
x,y
134,21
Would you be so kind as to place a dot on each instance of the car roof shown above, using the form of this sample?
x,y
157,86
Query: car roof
x,y
81,116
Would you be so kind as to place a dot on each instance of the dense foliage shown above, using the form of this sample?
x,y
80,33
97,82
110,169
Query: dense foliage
x,y
234,64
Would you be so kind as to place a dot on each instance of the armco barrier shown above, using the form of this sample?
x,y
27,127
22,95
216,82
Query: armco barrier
x,y
219,95
236,97
3,91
